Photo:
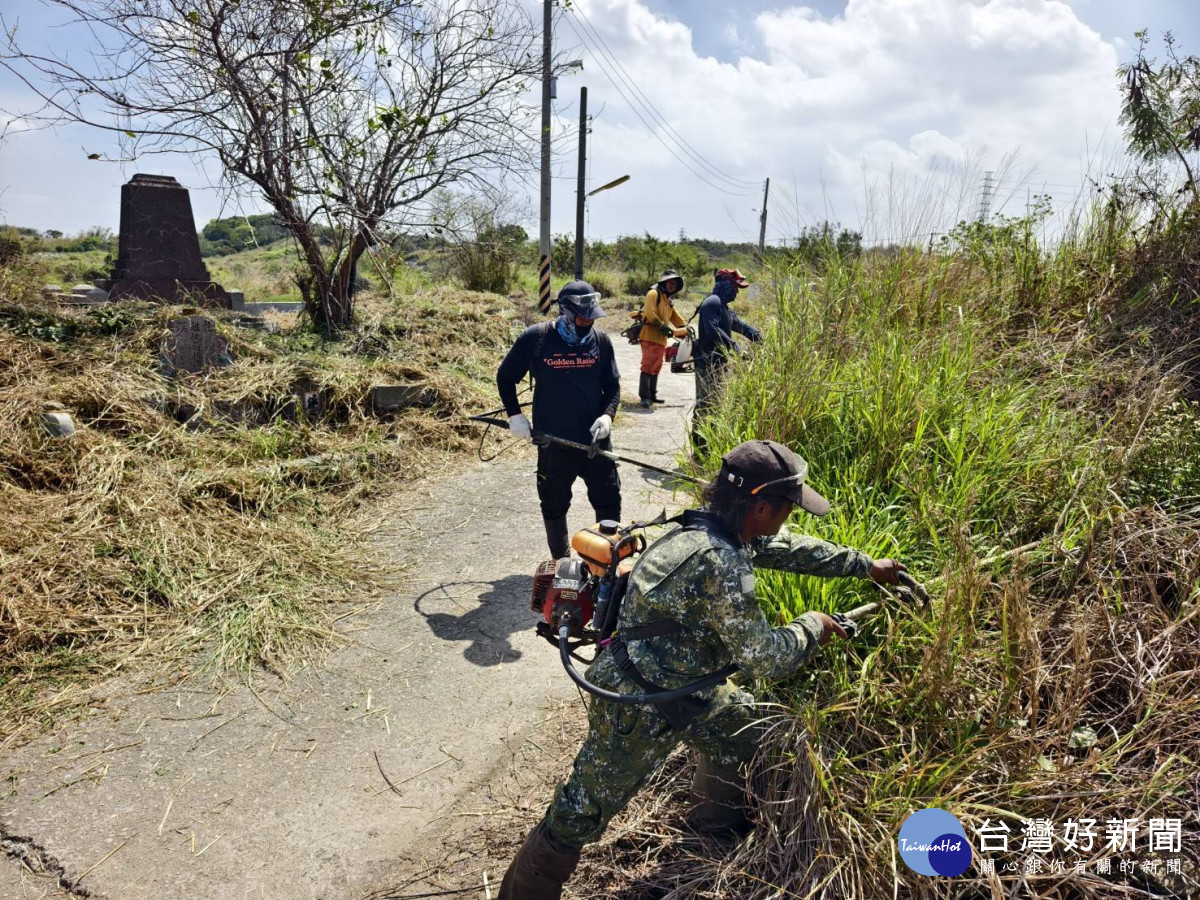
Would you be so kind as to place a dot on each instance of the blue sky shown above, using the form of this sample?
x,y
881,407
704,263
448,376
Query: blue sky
x,y
881,114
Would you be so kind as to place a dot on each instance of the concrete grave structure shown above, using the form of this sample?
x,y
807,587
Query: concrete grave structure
x,y
193,345
158,253
393,398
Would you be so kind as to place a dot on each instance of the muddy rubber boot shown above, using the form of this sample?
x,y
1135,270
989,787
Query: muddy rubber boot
x,y
645,393
718,800
654,398
540,868
557,537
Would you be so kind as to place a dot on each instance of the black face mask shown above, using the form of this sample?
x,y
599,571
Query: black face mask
x,y
582,330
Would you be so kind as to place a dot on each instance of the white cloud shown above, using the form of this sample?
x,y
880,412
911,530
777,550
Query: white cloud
x,y
903,84
825,105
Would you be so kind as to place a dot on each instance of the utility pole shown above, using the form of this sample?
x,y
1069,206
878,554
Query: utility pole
x,y
985,198
544,236
762,220
580,196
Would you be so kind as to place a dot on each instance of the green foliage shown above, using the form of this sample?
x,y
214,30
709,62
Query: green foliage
x,y
95,238
1008,247
1166,468
235,234
1161,106
918,435
985,414
487,260
819,243
646,257
562,254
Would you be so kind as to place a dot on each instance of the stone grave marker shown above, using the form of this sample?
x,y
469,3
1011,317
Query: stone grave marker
x,y
193,345
306,401
158,252
393,398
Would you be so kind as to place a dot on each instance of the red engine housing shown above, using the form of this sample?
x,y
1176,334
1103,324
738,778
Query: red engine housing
x,y
562,586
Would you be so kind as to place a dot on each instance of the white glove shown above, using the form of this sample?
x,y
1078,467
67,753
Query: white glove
x,y
519,427
601,428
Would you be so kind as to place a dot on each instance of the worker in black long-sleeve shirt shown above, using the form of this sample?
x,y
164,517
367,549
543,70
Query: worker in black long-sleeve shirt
x,y
715,344
576,391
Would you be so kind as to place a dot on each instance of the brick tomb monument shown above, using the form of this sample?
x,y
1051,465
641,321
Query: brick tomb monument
x,y
158,253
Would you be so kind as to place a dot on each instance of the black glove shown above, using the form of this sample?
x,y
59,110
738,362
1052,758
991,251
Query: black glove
x,y
848,625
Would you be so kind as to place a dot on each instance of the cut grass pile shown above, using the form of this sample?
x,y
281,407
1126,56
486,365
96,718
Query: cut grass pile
x,y
189,512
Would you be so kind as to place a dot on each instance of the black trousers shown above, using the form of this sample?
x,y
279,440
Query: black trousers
x,y
557,469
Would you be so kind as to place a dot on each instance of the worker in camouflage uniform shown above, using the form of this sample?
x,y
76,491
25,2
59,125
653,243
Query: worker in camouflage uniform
x,y
690,610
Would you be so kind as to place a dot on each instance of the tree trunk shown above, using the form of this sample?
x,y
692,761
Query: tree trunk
x,y
337,311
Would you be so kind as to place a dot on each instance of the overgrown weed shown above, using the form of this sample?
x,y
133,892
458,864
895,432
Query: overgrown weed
x,y
1010,420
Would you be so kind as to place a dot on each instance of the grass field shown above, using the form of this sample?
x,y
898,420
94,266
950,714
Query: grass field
x,y
1018,424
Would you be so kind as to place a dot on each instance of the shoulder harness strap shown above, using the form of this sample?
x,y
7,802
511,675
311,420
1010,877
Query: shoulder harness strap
x,y
679,713
539,345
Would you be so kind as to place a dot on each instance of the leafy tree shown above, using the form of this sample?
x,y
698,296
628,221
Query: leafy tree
x,y
562,253
221,236
346,115
1161,107
818,242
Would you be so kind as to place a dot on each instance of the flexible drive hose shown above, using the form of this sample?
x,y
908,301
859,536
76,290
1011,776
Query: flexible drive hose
x,y
633,699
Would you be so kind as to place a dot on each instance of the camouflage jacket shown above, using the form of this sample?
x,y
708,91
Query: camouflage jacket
x,y
706,582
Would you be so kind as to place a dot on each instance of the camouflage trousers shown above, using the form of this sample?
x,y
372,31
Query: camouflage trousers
x,y
625,744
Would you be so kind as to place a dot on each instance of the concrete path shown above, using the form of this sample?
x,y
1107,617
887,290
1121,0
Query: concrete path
x,y
282,791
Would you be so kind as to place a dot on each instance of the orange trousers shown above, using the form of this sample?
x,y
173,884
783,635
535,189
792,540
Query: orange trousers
x,y
652,357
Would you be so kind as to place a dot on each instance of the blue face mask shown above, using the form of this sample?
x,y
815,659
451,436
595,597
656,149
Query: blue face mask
x,y
574,335
726,290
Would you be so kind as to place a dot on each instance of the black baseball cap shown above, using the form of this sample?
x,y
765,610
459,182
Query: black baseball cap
x,y
581,299
768,469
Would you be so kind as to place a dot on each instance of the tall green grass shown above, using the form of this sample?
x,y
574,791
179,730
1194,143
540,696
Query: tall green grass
x,y
994,419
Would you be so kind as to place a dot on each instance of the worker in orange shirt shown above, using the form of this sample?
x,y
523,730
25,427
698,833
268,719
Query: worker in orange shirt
x,y
662,322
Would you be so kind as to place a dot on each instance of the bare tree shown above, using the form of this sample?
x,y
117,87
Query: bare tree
x,y
346,115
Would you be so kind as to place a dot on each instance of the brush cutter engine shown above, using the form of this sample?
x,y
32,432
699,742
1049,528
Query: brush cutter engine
x,y
563,592
575,592
578,602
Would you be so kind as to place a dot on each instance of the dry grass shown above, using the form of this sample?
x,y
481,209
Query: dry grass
x,y
190,512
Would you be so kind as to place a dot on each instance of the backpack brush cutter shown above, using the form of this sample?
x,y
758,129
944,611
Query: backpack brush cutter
x,y
578,599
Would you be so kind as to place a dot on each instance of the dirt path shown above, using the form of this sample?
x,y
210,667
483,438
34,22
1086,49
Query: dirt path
x,y
283,791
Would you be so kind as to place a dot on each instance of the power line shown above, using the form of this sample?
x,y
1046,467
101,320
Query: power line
x,y
649,127
711,168
658,116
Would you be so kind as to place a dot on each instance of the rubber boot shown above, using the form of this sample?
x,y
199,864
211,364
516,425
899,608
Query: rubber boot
x,y
718,800
645,392
654,398
540,868
557,537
